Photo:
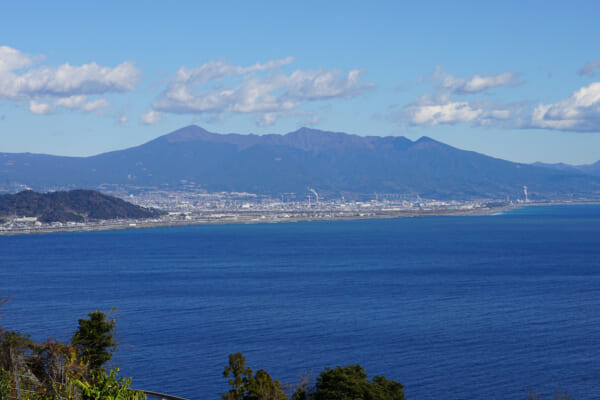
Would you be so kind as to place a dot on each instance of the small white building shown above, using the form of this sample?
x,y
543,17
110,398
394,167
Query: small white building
x,y
25,219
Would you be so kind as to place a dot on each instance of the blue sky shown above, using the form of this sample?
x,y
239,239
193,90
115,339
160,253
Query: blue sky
x,y
516,80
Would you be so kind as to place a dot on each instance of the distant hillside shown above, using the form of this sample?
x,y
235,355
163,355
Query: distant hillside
x,y
76,205
332,163
590,169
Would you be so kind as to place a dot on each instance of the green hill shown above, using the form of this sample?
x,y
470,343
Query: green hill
x,y
75,205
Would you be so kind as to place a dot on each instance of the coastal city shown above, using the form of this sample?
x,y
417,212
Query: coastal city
x,y
182,207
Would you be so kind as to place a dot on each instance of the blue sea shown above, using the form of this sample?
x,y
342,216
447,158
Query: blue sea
x,y
461,307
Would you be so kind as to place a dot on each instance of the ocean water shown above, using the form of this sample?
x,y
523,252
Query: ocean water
x,y
464,307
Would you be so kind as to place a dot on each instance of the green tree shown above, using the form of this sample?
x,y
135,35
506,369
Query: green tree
x,y
245,386
4,384
239,377
300,394
105,386
263,387
94,340
388,389
350,383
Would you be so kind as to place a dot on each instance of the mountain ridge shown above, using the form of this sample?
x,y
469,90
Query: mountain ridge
x,y
334,163
590,169
304,138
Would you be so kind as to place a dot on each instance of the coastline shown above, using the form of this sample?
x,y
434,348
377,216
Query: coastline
x,y
254,217
269,217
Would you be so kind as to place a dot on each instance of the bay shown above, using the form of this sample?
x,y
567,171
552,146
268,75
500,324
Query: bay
x,y
463,307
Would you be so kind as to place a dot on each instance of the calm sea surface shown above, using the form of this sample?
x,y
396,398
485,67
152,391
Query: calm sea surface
x,y
473,307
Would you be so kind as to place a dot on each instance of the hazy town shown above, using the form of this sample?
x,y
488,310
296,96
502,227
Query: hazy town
x,y
185,207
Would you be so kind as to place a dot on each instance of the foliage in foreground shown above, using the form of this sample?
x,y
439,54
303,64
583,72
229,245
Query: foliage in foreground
x,y
94,340
63,371
245,386
341,383
109,386
351,382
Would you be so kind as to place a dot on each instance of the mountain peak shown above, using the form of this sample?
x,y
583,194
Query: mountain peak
x,y
426,139
318,140
188,133
307,130
425,142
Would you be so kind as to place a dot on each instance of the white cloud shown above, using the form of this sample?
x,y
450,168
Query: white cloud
x,y
123,121
72,102
12,59
580,112
324,84
40,108
441,106
68,84
448,113
218,69
589,68
263,89
150,118
480,83
68,80
81,103
475,84
455,112
95,105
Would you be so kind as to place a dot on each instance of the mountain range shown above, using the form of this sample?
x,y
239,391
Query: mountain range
x,y
590,169
333,163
